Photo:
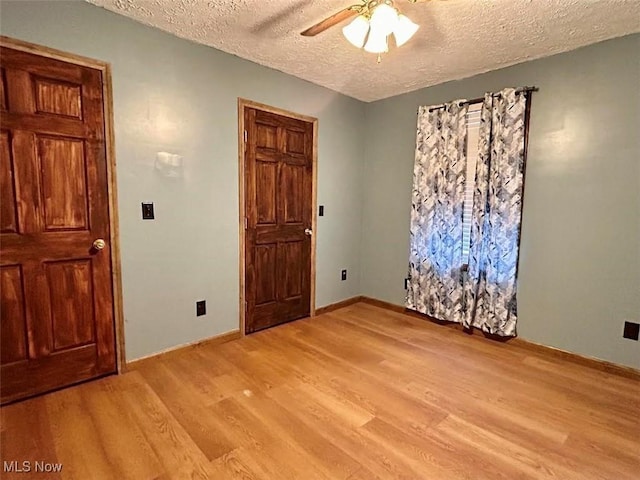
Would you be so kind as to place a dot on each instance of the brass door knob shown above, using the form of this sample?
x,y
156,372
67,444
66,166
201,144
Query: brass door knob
x,y
99,244
308,232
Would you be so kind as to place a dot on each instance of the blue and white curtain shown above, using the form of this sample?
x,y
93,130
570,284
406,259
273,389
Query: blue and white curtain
x,y
497,211
485,295
435,281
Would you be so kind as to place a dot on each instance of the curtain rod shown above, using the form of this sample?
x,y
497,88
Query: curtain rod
x,y
481,99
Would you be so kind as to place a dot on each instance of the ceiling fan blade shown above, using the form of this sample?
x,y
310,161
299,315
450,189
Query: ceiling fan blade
x,y
329,22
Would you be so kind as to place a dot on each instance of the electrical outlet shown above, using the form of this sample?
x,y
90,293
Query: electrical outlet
x,y
343,275
201,308
147,211
631,330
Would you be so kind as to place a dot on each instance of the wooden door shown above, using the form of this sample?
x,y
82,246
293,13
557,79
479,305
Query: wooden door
x,y
56,311
278,209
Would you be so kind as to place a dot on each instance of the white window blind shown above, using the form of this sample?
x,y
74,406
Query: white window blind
x,y
473,130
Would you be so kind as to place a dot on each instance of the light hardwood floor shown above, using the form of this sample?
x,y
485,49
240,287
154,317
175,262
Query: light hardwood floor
x,y
360,394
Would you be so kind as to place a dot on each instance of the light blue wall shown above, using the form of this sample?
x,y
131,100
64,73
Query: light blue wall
x,y
580,253
580,247
173,95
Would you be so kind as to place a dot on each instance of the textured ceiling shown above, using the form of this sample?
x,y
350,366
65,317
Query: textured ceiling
x,y
457,38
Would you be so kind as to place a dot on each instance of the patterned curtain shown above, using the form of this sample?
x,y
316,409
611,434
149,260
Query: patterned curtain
x,y
435,281
490,288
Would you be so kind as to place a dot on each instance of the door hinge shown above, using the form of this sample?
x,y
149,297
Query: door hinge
x,y
246,135
246,223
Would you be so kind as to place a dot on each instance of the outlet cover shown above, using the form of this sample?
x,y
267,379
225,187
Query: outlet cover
x,y
201,308
343,275
147,211
631,330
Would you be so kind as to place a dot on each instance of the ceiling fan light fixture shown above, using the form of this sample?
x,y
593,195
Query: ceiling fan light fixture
x,y
404,30
377,41
356,31
384,17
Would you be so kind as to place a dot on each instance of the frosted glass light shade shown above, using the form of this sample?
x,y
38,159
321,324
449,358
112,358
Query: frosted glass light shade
x,y
356,31
377,41
384,18
404,30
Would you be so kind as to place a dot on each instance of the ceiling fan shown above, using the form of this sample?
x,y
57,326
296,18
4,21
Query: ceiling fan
x,y
375,21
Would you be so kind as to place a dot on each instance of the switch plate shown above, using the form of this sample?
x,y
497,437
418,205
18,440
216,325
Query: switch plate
x,y
343,275
321,211
147,211
631,330
201,308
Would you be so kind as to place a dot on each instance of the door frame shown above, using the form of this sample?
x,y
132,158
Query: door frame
x,y
114,242
244,104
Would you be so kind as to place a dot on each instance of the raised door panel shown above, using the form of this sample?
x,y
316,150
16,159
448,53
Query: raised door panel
x,y
54,97
27,176
13,321
292,197
265,258
8,217
64,183
71,296
295,142
266,174
290,259
266,137
19,91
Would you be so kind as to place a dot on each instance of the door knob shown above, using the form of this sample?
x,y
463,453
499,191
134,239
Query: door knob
x,y
308,232
99,244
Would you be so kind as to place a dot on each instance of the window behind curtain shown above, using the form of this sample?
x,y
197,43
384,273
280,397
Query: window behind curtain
x,y
473,129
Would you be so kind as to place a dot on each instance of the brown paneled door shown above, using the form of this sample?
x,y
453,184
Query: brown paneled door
x,y
56,311
279,209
